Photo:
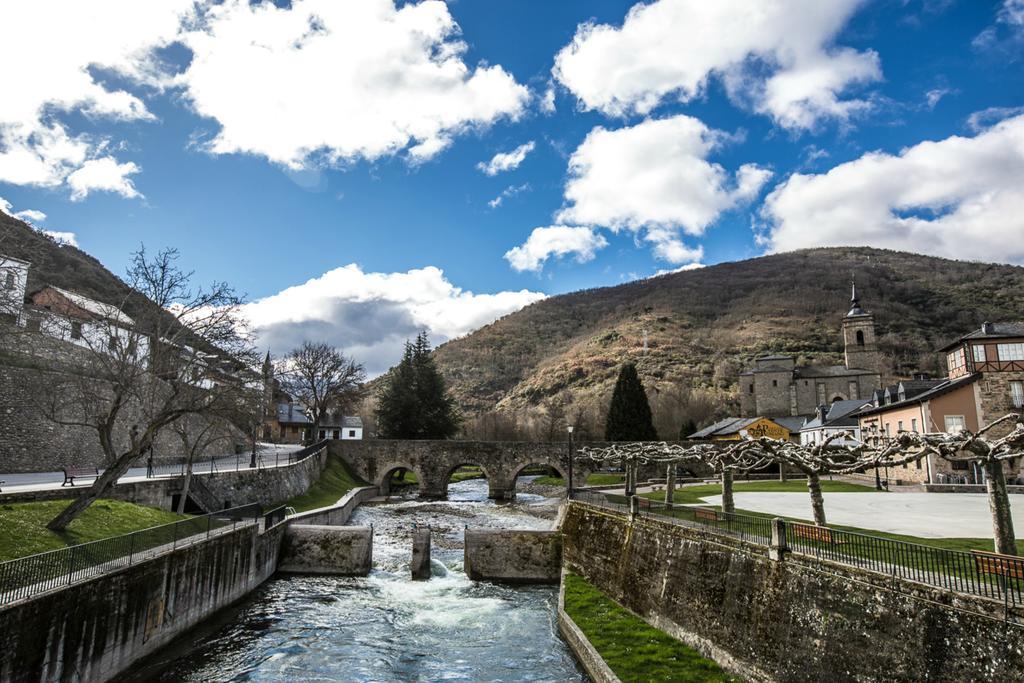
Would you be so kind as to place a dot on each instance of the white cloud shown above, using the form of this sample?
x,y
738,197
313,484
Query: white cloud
x,y
961,197
370,315
555,241
32,217
655,178
510,191
62,52
506,161
980,120
933,96
68,238
331,82
547,101
775,55
103,174
680,269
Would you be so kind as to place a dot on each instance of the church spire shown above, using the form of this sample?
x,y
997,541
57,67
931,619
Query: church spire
x,y
855,308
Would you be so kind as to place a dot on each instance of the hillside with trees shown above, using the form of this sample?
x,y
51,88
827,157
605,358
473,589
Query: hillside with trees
x,y
702,327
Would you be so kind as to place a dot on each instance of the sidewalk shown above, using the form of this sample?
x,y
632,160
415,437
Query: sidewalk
x,y
268,457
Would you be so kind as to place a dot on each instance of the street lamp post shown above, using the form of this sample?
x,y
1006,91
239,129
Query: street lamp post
x,y
569,428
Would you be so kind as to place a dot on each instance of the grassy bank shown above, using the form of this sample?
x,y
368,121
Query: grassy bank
x,y
693,494
335,482
597,479
635,651
23,525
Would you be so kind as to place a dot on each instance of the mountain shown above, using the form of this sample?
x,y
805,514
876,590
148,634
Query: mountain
x,y
703,326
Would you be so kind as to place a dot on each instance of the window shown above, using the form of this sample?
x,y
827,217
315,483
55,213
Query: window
x,y
1011,351
957,360
955,424
860,337
775,382
352,433
887,427
751,388
9,281
899,426
917,463
112,343
1017,394
979,353
913,426
76,330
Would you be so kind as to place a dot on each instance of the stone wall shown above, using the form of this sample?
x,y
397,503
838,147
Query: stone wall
x,y
31,442
995,399
264,486
336,550
796,620
339,513
586,654
513,556
95,630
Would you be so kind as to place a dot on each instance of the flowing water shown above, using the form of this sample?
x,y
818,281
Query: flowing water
x,y
386,627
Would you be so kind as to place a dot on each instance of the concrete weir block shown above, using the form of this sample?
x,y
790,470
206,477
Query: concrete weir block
x,y
421,554
337,550
513,556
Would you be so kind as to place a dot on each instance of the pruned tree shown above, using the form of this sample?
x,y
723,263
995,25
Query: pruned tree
x,y
324,380
186,354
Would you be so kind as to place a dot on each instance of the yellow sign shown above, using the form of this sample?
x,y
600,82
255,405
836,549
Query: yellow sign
x,y
763,427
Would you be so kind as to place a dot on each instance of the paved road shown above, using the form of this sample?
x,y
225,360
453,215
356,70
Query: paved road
x,y
928,515
270,455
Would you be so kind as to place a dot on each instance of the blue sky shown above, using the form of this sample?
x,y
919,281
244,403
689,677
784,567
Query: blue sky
x,y
274,146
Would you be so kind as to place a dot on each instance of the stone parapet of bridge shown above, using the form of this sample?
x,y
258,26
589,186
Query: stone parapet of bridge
x,y
434,462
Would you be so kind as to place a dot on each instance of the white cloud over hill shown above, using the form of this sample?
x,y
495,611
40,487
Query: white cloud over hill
x,y
655,179
961,197
555,241
371,315
775,56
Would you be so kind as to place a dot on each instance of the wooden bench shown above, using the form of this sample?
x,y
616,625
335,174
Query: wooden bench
x,y
1002,565
72,473
705,514
815,533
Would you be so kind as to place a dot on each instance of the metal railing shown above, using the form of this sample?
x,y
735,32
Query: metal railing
x,y
28,576
974,573
744,527
983,574
239,463
274,517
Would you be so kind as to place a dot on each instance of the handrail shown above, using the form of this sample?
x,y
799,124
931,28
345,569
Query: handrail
x,y
25,577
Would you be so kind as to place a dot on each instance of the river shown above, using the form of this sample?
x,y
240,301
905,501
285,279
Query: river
x,y
386,627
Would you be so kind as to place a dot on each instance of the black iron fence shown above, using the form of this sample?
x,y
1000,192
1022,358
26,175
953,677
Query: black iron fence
x,y
27,576
274,517
239,463
984,574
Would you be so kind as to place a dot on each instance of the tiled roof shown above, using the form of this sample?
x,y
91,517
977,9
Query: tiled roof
x,y
289,413
97,308
944,388
998,331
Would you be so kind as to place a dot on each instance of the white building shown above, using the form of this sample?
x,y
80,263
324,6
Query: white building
x,y
13,283
837,418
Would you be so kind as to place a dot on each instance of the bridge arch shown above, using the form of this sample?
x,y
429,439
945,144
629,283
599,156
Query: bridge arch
x,y
383,482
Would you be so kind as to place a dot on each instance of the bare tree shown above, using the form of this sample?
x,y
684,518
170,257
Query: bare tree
x,y
323,379
195,440
185,355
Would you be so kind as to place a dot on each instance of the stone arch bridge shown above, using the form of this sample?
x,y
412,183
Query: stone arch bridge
x,y
433,462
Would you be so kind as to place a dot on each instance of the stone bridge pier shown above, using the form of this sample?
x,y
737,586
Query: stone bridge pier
x,y
434,462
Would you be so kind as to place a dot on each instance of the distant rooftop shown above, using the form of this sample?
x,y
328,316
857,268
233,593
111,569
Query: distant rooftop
x,y
1004,330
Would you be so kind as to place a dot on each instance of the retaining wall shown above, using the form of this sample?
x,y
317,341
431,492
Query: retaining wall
x,y
94,630
513,556
801,619
339,513
586,654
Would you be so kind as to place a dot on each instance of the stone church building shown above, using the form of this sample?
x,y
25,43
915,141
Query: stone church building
x,y
776,387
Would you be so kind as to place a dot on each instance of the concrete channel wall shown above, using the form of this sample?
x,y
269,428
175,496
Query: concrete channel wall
x,y
336,550
337,514
513,556
800,619
95,630
586,654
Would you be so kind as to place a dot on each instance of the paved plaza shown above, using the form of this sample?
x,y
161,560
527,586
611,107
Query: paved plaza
x,y
929,515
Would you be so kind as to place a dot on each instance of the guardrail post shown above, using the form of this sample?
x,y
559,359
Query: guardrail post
x,y
209,525
174,539
634,507
778,548
71,564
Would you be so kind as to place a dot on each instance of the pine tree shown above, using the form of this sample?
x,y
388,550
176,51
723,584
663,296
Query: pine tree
x,y
413,402
629,416
689,427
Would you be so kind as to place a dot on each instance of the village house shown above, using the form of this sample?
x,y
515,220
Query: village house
x,y
736,428
835,418
985,380
13,282
776,386
289,423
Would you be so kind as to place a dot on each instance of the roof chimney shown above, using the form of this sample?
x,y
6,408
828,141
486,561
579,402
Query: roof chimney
x,y
822,413
988,328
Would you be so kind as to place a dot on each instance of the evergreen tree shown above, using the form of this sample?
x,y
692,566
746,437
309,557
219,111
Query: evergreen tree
x,y
413,402
629,416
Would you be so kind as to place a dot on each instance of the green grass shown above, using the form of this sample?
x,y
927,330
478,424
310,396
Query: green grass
x,y
597,479
467,472
23,525
635,651
335,481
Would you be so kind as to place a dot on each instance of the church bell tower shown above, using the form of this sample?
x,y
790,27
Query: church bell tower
x,y
859,337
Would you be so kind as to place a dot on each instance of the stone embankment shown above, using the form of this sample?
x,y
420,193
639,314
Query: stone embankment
x,y
513,556
320,549
586,654
798,619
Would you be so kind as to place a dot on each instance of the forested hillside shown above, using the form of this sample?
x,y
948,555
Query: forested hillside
x,y
703,326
